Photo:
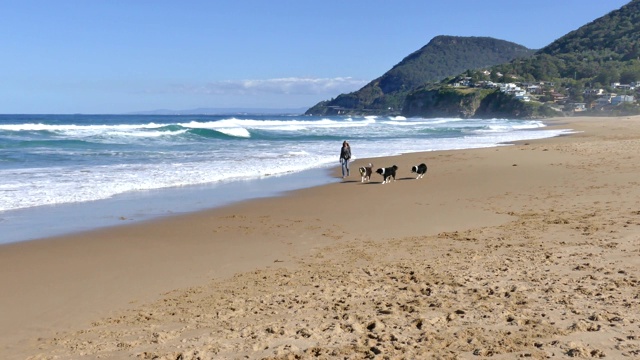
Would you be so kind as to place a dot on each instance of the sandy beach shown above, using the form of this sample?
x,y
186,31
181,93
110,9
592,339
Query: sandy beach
x,y
530,250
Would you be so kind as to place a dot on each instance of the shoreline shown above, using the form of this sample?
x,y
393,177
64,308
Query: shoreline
x,y
477,211
46,221
43,222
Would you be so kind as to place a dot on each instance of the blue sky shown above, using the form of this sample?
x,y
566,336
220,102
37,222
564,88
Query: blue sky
x,y
119,56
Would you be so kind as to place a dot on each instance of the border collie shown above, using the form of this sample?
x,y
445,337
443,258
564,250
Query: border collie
x,y
365,172
420,170
388,173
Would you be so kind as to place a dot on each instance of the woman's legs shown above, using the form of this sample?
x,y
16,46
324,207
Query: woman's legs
x,y
345,167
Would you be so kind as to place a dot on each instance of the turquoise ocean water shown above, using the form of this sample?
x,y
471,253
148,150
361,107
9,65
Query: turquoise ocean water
x,y
63,173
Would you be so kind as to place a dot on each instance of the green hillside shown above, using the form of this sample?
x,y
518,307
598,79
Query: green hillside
x,y
443,56
605,51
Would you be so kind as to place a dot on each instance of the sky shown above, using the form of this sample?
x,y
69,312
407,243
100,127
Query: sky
x,y
122,56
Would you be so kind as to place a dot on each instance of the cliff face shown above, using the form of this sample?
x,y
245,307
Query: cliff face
x,y
443,102
470,103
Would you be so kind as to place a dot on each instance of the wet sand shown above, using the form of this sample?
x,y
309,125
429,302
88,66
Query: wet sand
x,y
531,250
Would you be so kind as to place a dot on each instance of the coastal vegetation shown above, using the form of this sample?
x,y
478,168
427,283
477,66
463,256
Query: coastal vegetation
x,y
592,70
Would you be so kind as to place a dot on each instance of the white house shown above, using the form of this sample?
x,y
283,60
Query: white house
x,y
509,88
577,106
622,99
534,89
623,86
597,92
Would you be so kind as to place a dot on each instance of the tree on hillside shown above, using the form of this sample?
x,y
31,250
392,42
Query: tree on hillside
x,y
608,76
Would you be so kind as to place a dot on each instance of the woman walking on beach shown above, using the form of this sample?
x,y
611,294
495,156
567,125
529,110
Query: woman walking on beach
x,y
345,155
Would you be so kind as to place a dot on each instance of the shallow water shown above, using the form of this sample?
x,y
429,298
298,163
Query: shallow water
x,y
53,220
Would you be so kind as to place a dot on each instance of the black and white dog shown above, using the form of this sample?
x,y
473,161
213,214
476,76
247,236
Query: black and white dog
x,y
388,173
420,170
365,172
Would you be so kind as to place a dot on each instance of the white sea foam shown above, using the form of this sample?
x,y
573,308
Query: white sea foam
x,y
237,131
57,186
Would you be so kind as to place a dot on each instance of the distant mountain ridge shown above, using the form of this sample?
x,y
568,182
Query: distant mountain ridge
x,y
223,111
442,57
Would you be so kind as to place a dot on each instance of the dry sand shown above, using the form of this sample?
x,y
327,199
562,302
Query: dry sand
x,y
530,250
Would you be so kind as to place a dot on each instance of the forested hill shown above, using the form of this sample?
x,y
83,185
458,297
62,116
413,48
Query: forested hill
x,y
616,35
604,51
443,56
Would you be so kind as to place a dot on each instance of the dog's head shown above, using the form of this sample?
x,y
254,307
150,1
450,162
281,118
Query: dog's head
x,y
394,168
380,171
362,170
414,169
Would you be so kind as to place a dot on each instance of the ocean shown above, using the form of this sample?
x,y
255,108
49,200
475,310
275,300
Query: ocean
x,y
67,173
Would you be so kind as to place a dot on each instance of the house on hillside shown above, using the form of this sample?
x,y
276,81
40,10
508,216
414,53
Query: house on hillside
x,y
623,86
617,100
535,89
575,107
515,91
509,88
465,81
557,97
486,84
594,92
602,101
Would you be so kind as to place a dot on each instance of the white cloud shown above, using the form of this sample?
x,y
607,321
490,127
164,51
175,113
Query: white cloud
x,y
281,86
